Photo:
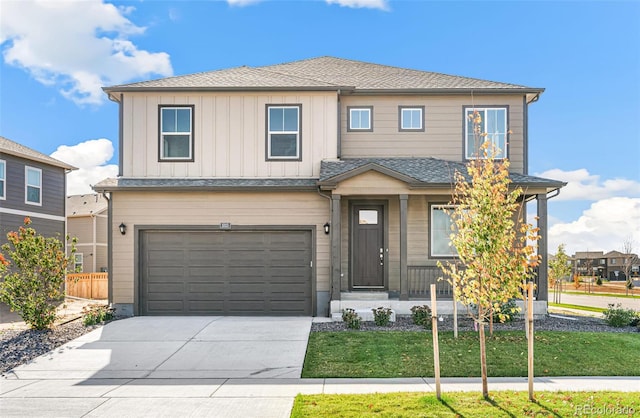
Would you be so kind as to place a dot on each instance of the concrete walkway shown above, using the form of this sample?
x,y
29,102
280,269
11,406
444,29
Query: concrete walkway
x,y
206,366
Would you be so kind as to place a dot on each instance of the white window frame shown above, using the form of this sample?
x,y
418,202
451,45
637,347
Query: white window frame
x,y
369,110
401,111
432,235
27,185
3,179
469,110
78,259
162,134
297,133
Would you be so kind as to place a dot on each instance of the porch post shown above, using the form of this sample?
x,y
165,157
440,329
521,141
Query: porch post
x,y
543,250
404,282
336,247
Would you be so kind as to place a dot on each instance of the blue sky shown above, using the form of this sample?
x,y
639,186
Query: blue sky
x,y
584,129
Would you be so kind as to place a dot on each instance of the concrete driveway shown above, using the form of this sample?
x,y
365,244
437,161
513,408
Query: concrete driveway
x,y
167,366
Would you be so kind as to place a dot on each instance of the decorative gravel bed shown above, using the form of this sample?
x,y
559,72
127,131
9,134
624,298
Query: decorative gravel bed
x,y
20,346
548,323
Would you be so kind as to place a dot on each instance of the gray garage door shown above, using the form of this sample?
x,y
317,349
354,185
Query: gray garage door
x,y
225,273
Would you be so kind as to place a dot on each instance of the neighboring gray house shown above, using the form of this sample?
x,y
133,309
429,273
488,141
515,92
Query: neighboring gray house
x,y
301,188
32,185
87,222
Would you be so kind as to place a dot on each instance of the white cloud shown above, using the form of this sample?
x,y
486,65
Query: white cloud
x,y
242,3
90,157
357,4
78,46
581,185
602,227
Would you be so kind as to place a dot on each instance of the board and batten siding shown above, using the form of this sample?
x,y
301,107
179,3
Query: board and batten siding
x,y
443,123
230,135
212,208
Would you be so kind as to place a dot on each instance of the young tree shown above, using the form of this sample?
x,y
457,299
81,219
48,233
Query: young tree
x,y
491,240
33,270
629,260
559,267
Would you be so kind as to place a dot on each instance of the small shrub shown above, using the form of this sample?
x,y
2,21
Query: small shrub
x,y
508,311
618,316
576,281
381,316
599,281
421,315
95,314
351,318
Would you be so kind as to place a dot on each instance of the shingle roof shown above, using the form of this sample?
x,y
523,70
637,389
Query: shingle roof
x,y
8,146
85,204
321,74
418,171
186,184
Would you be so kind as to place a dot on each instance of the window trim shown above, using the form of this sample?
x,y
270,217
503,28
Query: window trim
x,y
191,135
27,185
3,179
465,151
401,119
268,133
350,109
75,263
433,206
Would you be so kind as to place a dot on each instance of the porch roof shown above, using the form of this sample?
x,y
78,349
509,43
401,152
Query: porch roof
x,y
417,172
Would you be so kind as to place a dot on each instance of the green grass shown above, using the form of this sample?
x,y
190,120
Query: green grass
x,y
580,307
460,404
410,354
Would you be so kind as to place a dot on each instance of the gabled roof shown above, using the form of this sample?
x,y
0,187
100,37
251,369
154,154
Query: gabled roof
x,y
417,172
10,147
326,73
85,204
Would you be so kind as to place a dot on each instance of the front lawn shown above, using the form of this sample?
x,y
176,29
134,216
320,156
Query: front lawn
x,y
461,404
410,354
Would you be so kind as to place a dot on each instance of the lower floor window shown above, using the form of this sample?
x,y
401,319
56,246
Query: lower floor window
x,y
441,224
78,265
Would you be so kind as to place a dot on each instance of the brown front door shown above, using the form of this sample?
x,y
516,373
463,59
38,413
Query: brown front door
x,y
367,246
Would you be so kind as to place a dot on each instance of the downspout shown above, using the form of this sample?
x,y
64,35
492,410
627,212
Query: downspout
x,y
109,249
339,153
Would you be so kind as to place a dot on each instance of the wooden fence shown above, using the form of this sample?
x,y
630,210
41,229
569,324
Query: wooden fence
x,y
87,285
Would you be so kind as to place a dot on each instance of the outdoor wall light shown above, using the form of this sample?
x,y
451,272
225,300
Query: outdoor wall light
x,y
123,228
327,228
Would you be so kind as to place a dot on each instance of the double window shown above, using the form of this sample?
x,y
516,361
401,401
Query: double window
x,y
485,125
33,185
360,118
3,179
176,133
283,132
411,118
441,229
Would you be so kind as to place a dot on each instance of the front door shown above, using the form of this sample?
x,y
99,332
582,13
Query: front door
x,y
367,246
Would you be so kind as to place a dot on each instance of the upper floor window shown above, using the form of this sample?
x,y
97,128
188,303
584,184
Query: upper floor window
x,y
613,261
3,179
33,185
176,133
283,132
441,228
411,118
489,125
360,118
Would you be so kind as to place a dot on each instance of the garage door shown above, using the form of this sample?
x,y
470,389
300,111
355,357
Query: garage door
x,y
225,273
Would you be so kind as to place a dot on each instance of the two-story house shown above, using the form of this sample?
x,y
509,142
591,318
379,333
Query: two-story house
x,y
32,185
87,222
300,188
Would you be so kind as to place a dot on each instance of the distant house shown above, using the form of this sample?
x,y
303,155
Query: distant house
x,y
589,263
32,185
87,222
616,263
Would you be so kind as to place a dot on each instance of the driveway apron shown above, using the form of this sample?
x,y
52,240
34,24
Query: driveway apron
x,y
164,366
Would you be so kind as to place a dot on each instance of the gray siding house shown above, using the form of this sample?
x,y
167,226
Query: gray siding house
x,y
87,222
32,185
300,188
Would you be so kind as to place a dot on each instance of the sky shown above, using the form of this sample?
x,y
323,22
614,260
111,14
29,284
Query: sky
x,y
56,56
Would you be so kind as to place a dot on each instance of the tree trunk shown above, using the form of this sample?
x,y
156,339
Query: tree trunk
x,y
483,362
491,324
